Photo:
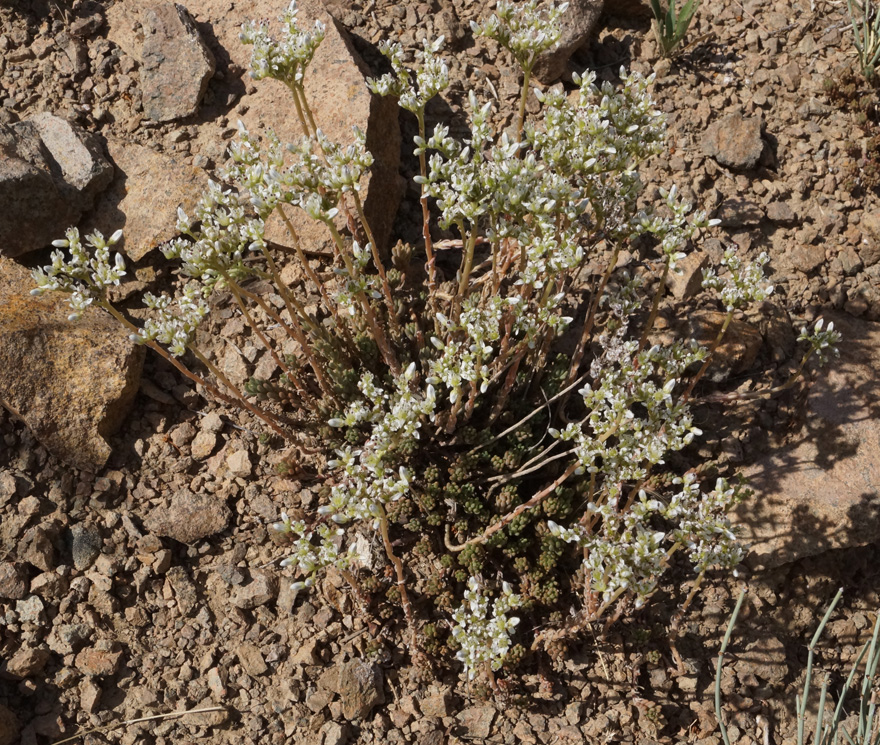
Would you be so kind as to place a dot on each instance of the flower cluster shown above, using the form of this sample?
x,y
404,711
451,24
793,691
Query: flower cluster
x,y
523,29
743,283
175,321
823,341
86,275
285,59
484,639
308,557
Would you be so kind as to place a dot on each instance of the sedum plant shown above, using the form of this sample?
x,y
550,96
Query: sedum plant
x,y
446,408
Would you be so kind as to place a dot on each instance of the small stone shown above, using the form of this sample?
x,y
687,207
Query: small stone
x,y
687,280
781,212
360,687
212,422
189,518
735,141
13,581
335,733
435,705
49,585
806,258
261,590
37,549
477,720
30,610
850,261
306,654
68,638
89,696
251,659
239,464
100,660
27,662
203,445
87,544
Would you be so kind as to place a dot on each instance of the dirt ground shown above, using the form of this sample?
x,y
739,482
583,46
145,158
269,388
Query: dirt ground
x,y
127,625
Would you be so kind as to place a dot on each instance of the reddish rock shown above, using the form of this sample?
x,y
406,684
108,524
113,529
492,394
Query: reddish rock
x,y
102,659
71,383
26,662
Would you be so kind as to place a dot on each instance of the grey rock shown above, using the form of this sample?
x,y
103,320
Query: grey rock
x,y
735,141
189,517
13,581
821,490
86,545
50,173
9,726
30,610
262,589
176,65
68,638
577,24
71,383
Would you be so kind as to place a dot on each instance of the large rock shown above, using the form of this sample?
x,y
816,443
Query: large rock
x,y
821,490
71,383
175,63
577,25
144,197
336,89
50,173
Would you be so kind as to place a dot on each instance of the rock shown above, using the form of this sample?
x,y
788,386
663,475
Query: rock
x,y
359,685
49,585
577,24
869,250
71,383
27,662
821,490
435,704
781,212
176,65
100,660
189,518
477,721
764,658
689,281
735,141
9,726
89,696
67,638
251,659
203,445
13,581
86,545
804,258
50,173
335,733
335,84
36,548
738,213
262,589
30,610
143,198
239,464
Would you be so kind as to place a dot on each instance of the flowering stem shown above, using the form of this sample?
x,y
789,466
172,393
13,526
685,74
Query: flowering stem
x,y
690,389
239,401
401,580
521,115
426,218
655,308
